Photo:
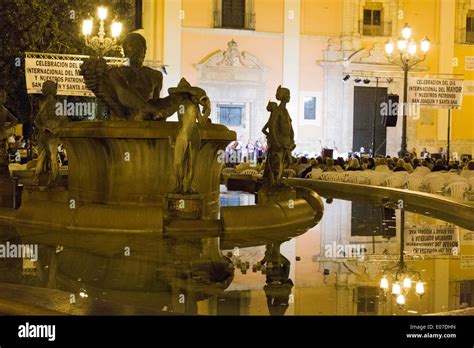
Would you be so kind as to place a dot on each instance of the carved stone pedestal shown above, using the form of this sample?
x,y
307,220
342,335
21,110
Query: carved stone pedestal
x,y
184,206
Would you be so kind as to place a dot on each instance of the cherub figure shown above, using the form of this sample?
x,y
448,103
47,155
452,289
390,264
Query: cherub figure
x,y
47,124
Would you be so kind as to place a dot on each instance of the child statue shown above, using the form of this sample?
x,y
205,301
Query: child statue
x,y
48,123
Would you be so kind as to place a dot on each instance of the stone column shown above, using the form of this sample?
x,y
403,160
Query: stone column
x,y
172,43
291,58
447,20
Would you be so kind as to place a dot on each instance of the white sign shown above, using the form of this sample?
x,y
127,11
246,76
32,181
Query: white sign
x,y
432,240
469,63
62,68
468,87
435,93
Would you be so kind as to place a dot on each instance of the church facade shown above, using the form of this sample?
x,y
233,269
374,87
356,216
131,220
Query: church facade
x,y
329,53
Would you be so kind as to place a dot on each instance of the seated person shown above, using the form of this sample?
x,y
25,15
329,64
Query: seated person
x,y
438,167
381,165
354,165
330,167
400,166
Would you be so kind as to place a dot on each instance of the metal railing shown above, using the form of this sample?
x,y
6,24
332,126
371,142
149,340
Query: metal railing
x,y
229,21
384,29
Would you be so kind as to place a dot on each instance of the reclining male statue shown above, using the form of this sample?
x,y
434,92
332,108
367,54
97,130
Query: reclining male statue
x,y
131,92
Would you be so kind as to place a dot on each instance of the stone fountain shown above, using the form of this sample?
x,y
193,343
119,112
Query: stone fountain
x,y
140,173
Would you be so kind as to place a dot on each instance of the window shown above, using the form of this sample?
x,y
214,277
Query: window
x,y
310,108
470,27
466,296
367,300
372,19
234,14
230,115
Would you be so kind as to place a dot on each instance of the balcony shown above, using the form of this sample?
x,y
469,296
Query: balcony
x,y
234,21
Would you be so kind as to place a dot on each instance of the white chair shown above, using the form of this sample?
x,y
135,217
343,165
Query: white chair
x,y
468,174
435,183
421,170
332,176
471,183
357,178
376,178
228,171
454,177
315,174
415,182
251,172
395,181
457,189
289,173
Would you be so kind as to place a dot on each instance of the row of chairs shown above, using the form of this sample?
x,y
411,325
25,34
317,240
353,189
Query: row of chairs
x,y
449,184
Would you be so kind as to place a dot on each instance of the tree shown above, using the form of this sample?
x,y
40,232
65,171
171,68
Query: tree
x,y
49,26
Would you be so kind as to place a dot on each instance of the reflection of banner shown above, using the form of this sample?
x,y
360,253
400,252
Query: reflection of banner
x,y
468,88
467,261
435,93
62,68
467,237
432,240
469,63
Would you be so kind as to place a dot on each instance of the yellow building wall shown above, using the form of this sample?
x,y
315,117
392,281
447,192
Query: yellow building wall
x,y
269,15
322,17
153,21
423,17
198,13
197,46
463,120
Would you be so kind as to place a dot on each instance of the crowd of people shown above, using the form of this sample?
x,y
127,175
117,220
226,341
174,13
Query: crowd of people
x,y
18,147
303,166
355,161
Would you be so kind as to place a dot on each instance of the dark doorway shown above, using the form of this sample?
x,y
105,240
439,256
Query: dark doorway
x,y
364,113
233,14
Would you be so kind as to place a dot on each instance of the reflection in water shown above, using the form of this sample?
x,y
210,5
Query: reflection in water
x,y
333,269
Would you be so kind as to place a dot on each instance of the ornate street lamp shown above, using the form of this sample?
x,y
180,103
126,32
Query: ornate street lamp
x,y
100,43
405,56
401,275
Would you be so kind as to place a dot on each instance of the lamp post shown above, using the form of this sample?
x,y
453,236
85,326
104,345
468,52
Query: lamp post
x,y
401,275
100,43
406,57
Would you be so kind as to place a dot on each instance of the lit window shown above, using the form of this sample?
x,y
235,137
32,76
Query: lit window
x,y
230,115
309,108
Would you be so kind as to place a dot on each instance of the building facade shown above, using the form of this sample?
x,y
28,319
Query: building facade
x,y
329,53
